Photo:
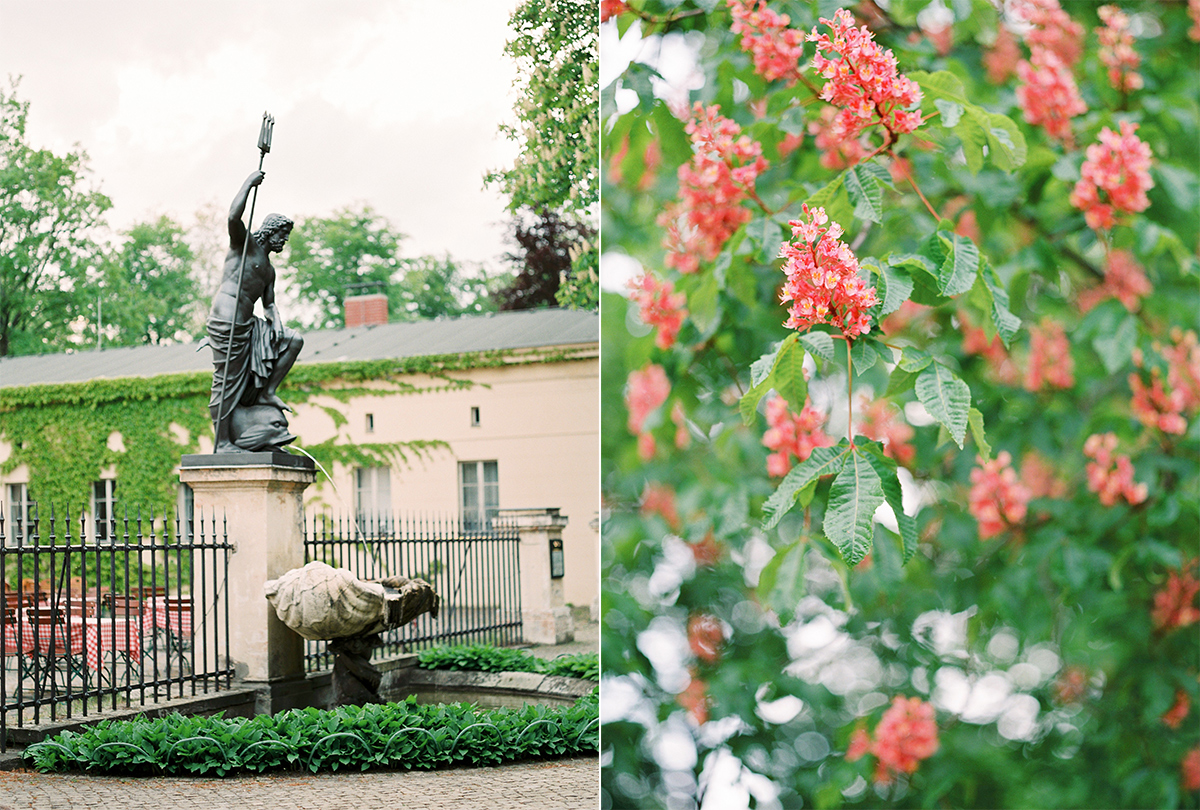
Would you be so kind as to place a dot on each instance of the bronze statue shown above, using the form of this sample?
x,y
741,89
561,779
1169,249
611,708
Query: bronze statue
x,y
251,356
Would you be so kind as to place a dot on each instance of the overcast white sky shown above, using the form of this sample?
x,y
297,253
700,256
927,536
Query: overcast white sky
x,y
395,104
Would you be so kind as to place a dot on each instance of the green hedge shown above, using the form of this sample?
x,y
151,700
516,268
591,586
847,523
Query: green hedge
x,y
485,658
392,735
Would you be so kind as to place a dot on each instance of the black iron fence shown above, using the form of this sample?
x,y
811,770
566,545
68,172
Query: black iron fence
x,y
475,571
132,615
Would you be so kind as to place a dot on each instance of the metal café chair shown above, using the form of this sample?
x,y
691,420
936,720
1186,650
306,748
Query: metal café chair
x,y
173,616
13,648
52,650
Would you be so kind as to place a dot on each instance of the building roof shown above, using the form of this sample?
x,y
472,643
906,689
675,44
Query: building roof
x,y
526,329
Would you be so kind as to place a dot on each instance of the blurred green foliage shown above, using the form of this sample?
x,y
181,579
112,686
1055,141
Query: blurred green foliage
x,y
1037,646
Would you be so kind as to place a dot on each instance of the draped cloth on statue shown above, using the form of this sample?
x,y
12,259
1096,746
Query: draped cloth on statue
x,y
251,352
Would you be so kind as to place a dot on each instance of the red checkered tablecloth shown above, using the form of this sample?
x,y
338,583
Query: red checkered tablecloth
x,y
169,614
43,638
11,645
108,635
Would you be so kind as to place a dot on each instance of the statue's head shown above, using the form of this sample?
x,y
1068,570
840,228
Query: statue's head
x,y
273,233
259,427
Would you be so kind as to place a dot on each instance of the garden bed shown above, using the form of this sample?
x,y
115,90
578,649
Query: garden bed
x,y
393,735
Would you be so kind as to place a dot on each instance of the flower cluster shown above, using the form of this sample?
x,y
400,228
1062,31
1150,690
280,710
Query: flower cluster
x,y
695,699
975,341
1155,407
1040,477
1124,279
705,637
881,421
910,316
1052,29
1183,366
1116,49
1048,95
863,81
659,499
659,306
998,500
712,186
1194,33
1175,604
940,34
1179,711
907,733
651,160
765,36
1116,177
1001,59
790,143
838,150
790,435
1050,362
611,8
822,278
1189,766
1109,475
708,551
1071,685
646,389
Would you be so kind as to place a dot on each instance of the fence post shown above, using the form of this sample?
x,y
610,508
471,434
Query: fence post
x,y
259,498
545,618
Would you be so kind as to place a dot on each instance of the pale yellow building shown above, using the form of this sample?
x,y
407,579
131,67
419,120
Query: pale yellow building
x,y
504,415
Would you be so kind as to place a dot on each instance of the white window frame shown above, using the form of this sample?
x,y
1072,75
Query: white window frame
x,y
476,481
19,521
373,493
104,509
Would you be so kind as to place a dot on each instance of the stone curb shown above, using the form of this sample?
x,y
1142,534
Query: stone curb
x,y
524,684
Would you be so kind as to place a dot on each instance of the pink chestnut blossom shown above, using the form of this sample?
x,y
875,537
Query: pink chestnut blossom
x,y
823,284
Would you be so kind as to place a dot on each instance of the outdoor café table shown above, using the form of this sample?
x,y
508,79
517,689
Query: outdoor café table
x,y
49,638
170,614
39,641
12,645
119,635
173,616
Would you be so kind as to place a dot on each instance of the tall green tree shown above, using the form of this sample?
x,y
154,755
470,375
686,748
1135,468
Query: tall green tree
x,y
356,252
556,47
47,220
348,253
432,287
149,293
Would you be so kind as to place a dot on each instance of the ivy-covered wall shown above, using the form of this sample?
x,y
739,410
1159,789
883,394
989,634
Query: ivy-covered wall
x,y
61,431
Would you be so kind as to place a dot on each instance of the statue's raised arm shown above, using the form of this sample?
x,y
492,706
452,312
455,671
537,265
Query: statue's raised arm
x,y
237,229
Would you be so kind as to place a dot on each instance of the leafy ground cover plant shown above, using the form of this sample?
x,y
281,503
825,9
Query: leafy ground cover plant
x,y
486,658
392,735
902,506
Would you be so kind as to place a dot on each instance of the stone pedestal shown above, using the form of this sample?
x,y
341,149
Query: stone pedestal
x,y
259,496
544,615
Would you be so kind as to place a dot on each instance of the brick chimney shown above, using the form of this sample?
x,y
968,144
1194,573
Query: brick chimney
x,y
366,310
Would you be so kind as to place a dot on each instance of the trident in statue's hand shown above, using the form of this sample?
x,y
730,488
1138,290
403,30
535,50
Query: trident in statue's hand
x,y
264,146
264,137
